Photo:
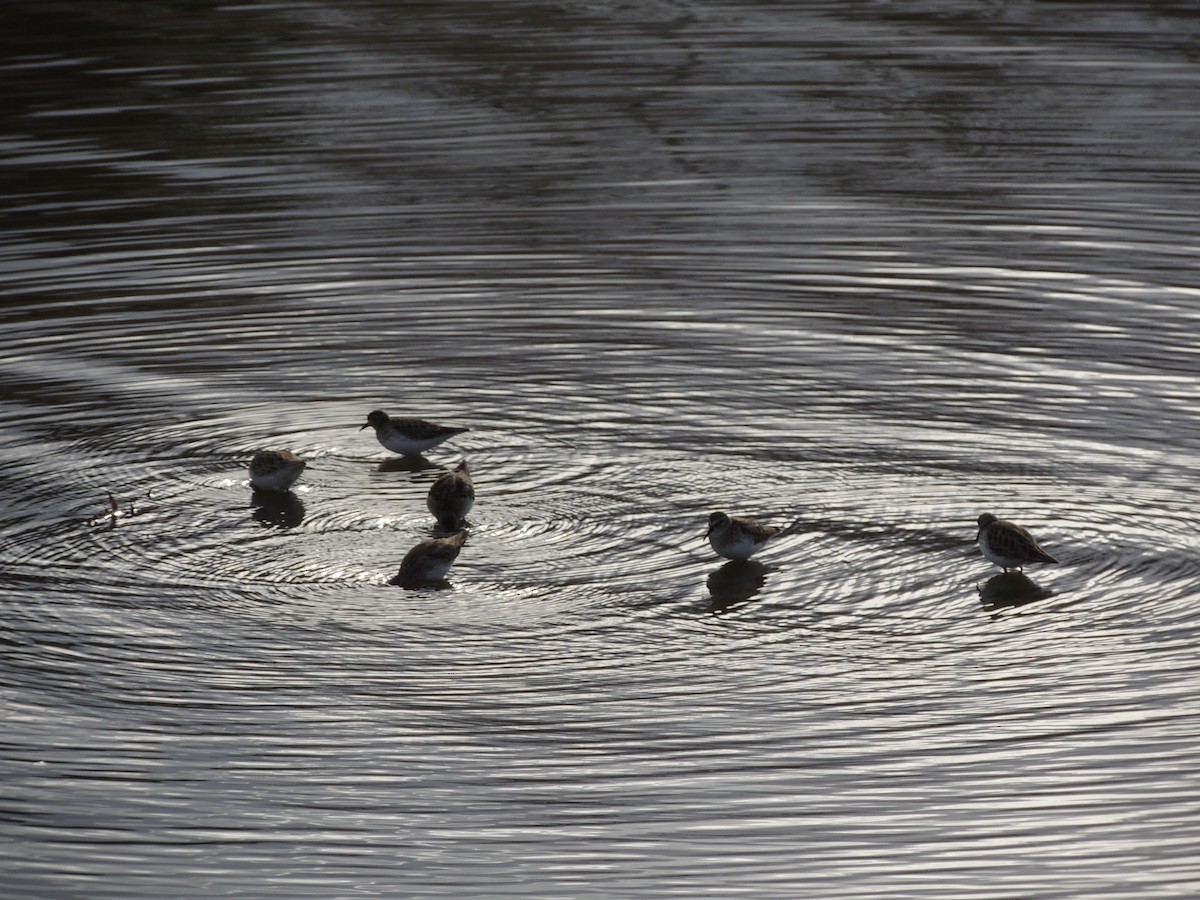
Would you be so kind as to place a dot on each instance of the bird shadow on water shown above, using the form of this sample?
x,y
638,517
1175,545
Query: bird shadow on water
x,y
735,582
1010,590
277,509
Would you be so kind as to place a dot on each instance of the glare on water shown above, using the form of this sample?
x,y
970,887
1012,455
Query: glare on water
x,y
864,271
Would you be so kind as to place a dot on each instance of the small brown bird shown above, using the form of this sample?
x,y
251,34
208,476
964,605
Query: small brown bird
x,y
429,561
451,497
1007,545
408,437
275,470
736,537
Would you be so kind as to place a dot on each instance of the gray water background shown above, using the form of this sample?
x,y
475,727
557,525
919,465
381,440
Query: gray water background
x,y
872,268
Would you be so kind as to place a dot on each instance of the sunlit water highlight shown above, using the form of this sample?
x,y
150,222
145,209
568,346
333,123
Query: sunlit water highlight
x,y
867,271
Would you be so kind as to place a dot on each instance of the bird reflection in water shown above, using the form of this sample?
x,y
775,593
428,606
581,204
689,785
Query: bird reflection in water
x,y
115,513
277,509
735,582
1010,590
406,464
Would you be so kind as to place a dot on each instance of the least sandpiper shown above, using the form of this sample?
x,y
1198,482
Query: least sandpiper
x,y
736,537
275,470
1007,545
429,561
451,497
408,437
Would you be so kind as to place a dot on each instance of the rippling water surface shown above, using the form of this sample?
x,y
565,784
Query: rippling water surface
x,y
871,269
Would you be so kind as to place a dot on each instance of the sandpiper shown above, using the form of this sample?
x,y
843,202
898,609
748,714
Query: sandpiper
x,y
429,561
275,470
736,537
1007,545
408,437
451,497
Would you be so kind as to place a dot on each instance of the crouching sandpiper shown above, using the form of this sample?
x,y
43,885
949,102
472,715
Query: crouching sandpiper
x,y
429,561
275,470
737,537
1007,545
451,497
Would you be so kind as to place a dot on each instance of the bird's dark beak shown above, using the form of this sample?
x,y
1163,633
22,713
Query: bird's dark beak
x,y
364,426
708,533
978,533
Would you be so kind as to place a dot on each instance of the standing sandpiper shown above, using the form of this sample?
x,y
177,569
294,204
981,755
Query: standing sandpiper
x,y
1007,545
275,470
451,497
408,437
429,561
736,537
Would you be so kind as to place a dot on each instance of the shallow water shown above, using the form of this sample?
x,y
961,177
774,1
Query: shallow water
x,y
870,269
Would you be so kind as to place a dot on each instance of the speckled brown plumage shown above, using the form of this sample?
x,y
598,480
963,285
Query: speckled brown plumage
x,y
409,436
451,497
275,470
738,537
1007,545
429,561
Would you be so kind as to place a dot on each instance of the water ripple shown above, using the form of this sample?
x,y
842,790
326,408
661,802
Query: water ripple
x,y
865,271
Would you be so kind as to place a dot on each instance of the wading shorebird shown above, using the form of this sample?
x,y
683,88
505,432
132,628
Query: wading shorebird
x,y
736,537
1007,545
451,497
408,437
275,470
429,561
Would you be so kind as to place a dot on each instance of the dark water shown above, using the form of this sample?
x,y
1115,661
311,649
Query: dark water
x,y
875,268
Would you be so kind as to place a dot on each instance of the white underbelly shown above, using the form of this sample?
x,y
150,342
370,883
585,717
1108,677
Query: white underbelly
x,y
742,548
1005,562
